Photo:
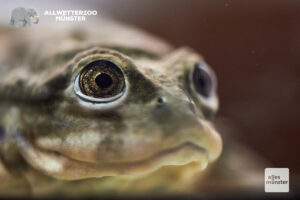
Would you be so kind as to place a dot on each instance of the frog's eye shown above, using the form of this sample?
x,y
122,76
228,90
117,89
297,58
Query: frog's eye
x,y
204,85
204,80
100,81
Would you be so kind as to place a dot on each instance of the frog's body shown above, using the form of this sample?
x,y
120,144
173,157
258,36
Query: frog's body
x,y
155,137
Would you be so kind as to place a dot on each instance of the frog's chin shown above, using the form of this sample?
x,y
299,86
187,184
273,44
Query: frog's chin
x,y
63,167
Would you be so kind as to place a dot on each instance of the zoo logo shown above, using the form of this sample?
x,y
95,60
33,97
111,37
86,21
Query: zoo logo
x,y
21,14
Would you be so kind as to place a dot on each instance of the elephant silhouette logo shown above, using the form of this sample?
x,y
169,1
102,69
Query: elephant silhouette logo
x,y
21,14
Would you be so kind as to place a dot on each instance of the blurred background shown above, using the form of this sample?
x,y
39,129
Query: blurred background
x,y
254,48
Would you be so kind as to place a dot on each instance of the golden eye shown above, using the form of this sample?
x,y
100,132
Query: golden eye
x,y
101,79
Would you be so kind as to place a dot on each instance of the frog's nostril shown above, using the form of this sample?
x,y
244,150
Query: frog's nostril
x,y
161,100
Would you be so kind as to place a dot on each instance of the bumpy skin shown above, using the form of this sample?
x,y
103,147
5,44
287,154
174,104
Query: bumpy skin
x,y
155,140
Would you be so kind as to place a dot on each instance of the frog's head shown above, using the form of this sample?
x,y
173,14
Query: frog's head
x,y
112,113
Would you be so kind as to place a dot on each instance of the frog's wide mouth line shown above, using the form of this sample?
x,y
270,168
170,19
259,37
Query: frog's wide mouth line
x,y
63,167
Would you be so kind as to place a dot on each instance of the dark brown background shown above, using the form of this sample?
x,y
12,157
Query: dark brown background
x,y
254,47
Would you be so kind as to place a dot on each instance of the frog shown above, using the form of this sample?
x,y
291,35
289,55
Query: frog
x,y
103,109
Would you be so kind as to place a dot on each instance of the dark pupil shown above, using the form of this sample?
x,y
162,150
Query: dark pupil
x,y
104,81
202,81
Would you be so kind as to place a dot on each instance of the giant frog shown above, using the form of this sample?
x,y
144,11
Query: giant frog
x,y
103,109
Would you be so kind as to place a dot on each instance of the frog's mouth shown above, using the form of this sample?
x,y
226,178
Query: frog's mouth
x,y
63,167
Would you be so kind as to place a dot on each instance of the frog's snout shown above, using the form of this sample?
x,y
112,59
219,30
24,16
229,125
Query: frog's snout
x,y
179,122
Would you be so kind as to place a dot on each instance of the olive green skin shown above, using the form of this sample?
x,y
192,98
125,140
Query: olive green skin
x,y
55,143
